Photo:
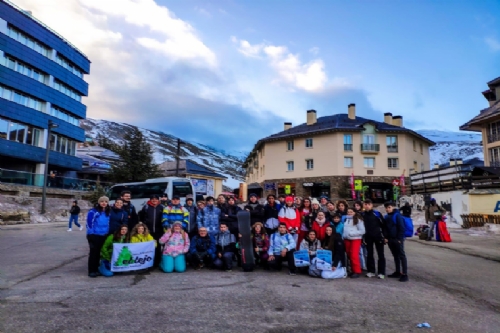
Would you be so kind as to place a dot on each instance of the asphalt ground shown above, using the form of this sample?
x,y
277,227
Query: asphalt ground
x,y
44,288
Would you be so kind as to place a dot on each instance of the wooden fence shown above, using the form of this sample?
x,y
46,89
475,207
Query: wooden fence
x,y
478,220
434,184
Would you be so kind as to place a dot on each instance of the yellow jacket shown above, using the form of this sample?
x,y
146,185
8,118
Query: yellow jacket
x,y
141,238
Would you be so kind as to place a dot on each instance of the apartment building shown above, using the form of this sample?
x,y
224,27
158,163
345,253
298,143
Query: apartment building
x,y
318,157
488,123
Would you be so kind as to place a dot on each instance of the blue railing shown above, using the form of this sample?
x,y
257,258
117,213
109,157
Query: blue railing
x,y
53,181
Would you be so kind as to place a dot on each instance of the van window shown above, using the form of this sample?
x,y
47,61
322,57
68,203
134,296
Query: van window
x,y
182,189
139,191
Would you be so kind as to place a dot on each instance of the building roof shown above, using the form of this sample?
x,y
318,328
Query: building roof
x,y
485,171
494,82
338,123
188,167
483,115
99,152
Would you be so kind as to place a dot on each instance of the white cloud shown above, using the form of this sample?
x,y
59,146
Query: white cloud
x,y
309,76
314,50
492,43
202,11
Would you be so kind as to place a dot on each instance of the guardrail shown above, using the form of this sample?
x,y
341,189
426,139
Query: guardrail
x,y
459,183
53,181
478,220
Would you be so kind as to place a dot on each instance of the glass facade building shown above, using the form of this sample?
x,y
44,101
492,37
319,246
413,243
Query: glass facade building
x,y
41,80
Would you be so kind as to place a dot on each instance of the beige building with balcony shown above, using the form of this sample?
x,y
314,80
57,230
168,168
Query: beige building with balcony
x,y
488,123
318,157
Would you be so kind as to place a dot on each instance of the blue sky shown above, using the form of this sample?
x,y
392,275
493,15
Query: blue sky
x,y
227,73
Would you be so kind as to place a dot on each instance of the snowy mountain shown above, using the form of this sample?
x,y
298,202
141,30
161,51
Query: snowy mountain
x,y
164,146
465,145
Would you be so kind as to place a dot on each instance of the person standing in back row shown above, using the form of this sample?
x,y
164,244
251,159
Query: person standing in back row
x,y
395,235
73,215
151,215
374,237
255,208
132,218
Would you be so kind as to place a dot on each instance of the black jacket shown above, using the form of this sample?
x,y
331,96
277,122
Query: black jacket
x,y
151,217
373,226
231,219
192,217
133,218
394,230
256,214
271,212
336,245
75,210
406,211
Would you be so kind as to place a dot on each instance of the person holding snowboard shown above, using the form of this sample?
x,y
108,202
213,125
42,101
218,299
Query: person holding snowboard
x,y
394,232
282,246
228,215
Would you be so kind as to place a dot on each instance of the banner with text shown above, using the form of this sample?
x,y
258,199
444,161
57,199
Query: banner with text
x,y
132,256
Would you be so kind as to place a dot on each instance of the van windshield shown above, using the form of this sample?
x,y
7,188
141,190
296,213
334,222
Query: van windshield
x,y
182,189
139,190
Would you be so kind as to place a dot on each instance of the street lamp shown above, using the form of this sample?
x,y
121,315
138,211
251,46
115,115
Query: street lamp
x,y
47,150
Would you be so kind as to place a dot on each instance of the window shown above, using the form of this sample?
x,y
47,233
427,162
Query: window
x,y
68,65
392,163
53,140
24,39
58,85
421,149
494,132
415,166
290,165
63,115
4,127
309,164
17,132
369,162
289,145
182,189
309,143
21,98
368,139
494,157
414,146
347,162
347,142
392,143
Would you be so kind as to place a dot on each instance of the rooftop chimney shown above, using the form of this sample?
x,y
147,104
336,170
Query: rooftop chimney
x,y
288,126
436,165
452,162
397,121
388,118
459,161
351,111
311,117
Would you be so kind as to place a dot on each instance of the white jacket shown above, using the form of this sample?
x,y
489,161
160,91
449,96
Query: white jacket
x,y
352,231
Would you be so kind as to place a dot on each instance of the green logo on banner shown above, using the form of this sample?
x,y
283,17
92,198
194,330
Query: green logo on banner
x,y
124,258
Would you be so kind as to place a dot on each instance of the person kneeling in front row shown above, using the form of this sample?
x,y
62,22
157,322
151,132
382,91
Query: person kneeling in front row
x,y
202,250
177,244
120,236
282,246
226,247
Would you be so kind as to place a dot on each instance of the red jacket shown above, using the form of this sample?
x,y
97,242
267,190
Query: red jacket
x,y
286,216
320,231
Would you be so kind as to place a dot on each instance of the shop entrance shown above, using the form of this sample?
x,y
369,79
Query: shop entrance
x,y
317,189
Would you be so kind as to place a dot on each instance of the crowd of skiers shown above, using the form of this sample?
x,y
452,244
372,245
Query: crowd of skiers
x,y
206,234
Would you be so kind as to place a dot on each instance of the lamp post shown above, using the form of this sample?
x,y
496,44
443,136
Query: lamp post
x,y
51,125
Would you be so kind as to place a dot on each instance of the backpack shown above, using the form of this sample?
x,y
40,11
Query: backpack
x,y
408,224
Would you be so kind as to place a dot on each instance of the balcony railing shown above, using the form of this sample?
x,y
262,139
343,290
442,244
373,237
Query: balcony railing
x,y
347,146
370,148
35,179
493,138
495,164
392,149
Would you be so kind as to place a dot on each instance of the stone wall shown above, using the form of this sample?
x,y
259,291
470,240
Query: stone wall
x,y
36,191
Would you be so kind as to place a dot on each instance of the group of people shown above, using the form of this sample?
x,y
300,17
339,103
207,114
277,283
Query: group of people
x,y
207,235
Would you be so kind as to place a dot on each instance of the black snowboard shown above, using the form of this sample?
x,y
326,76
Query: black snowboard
x,y
246,246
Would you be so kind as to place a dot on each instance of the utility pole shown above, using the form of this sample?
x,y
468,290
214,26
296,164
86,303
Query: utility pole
x,y
178,157
47,150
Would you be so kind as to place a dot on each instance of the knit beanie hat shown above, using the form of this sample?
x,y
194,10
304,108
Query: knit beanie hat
x,y
177,222
103,199
314,201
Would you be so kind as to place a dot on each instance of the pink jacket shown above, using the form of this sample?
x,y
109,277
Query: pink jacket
x,y
175,244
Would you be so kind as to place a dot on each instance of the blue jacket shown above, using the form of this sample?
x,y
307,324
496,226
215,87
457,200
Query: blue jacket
x,y
339,228
203,244
209,217
278,242
117,217
97,223
394,227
